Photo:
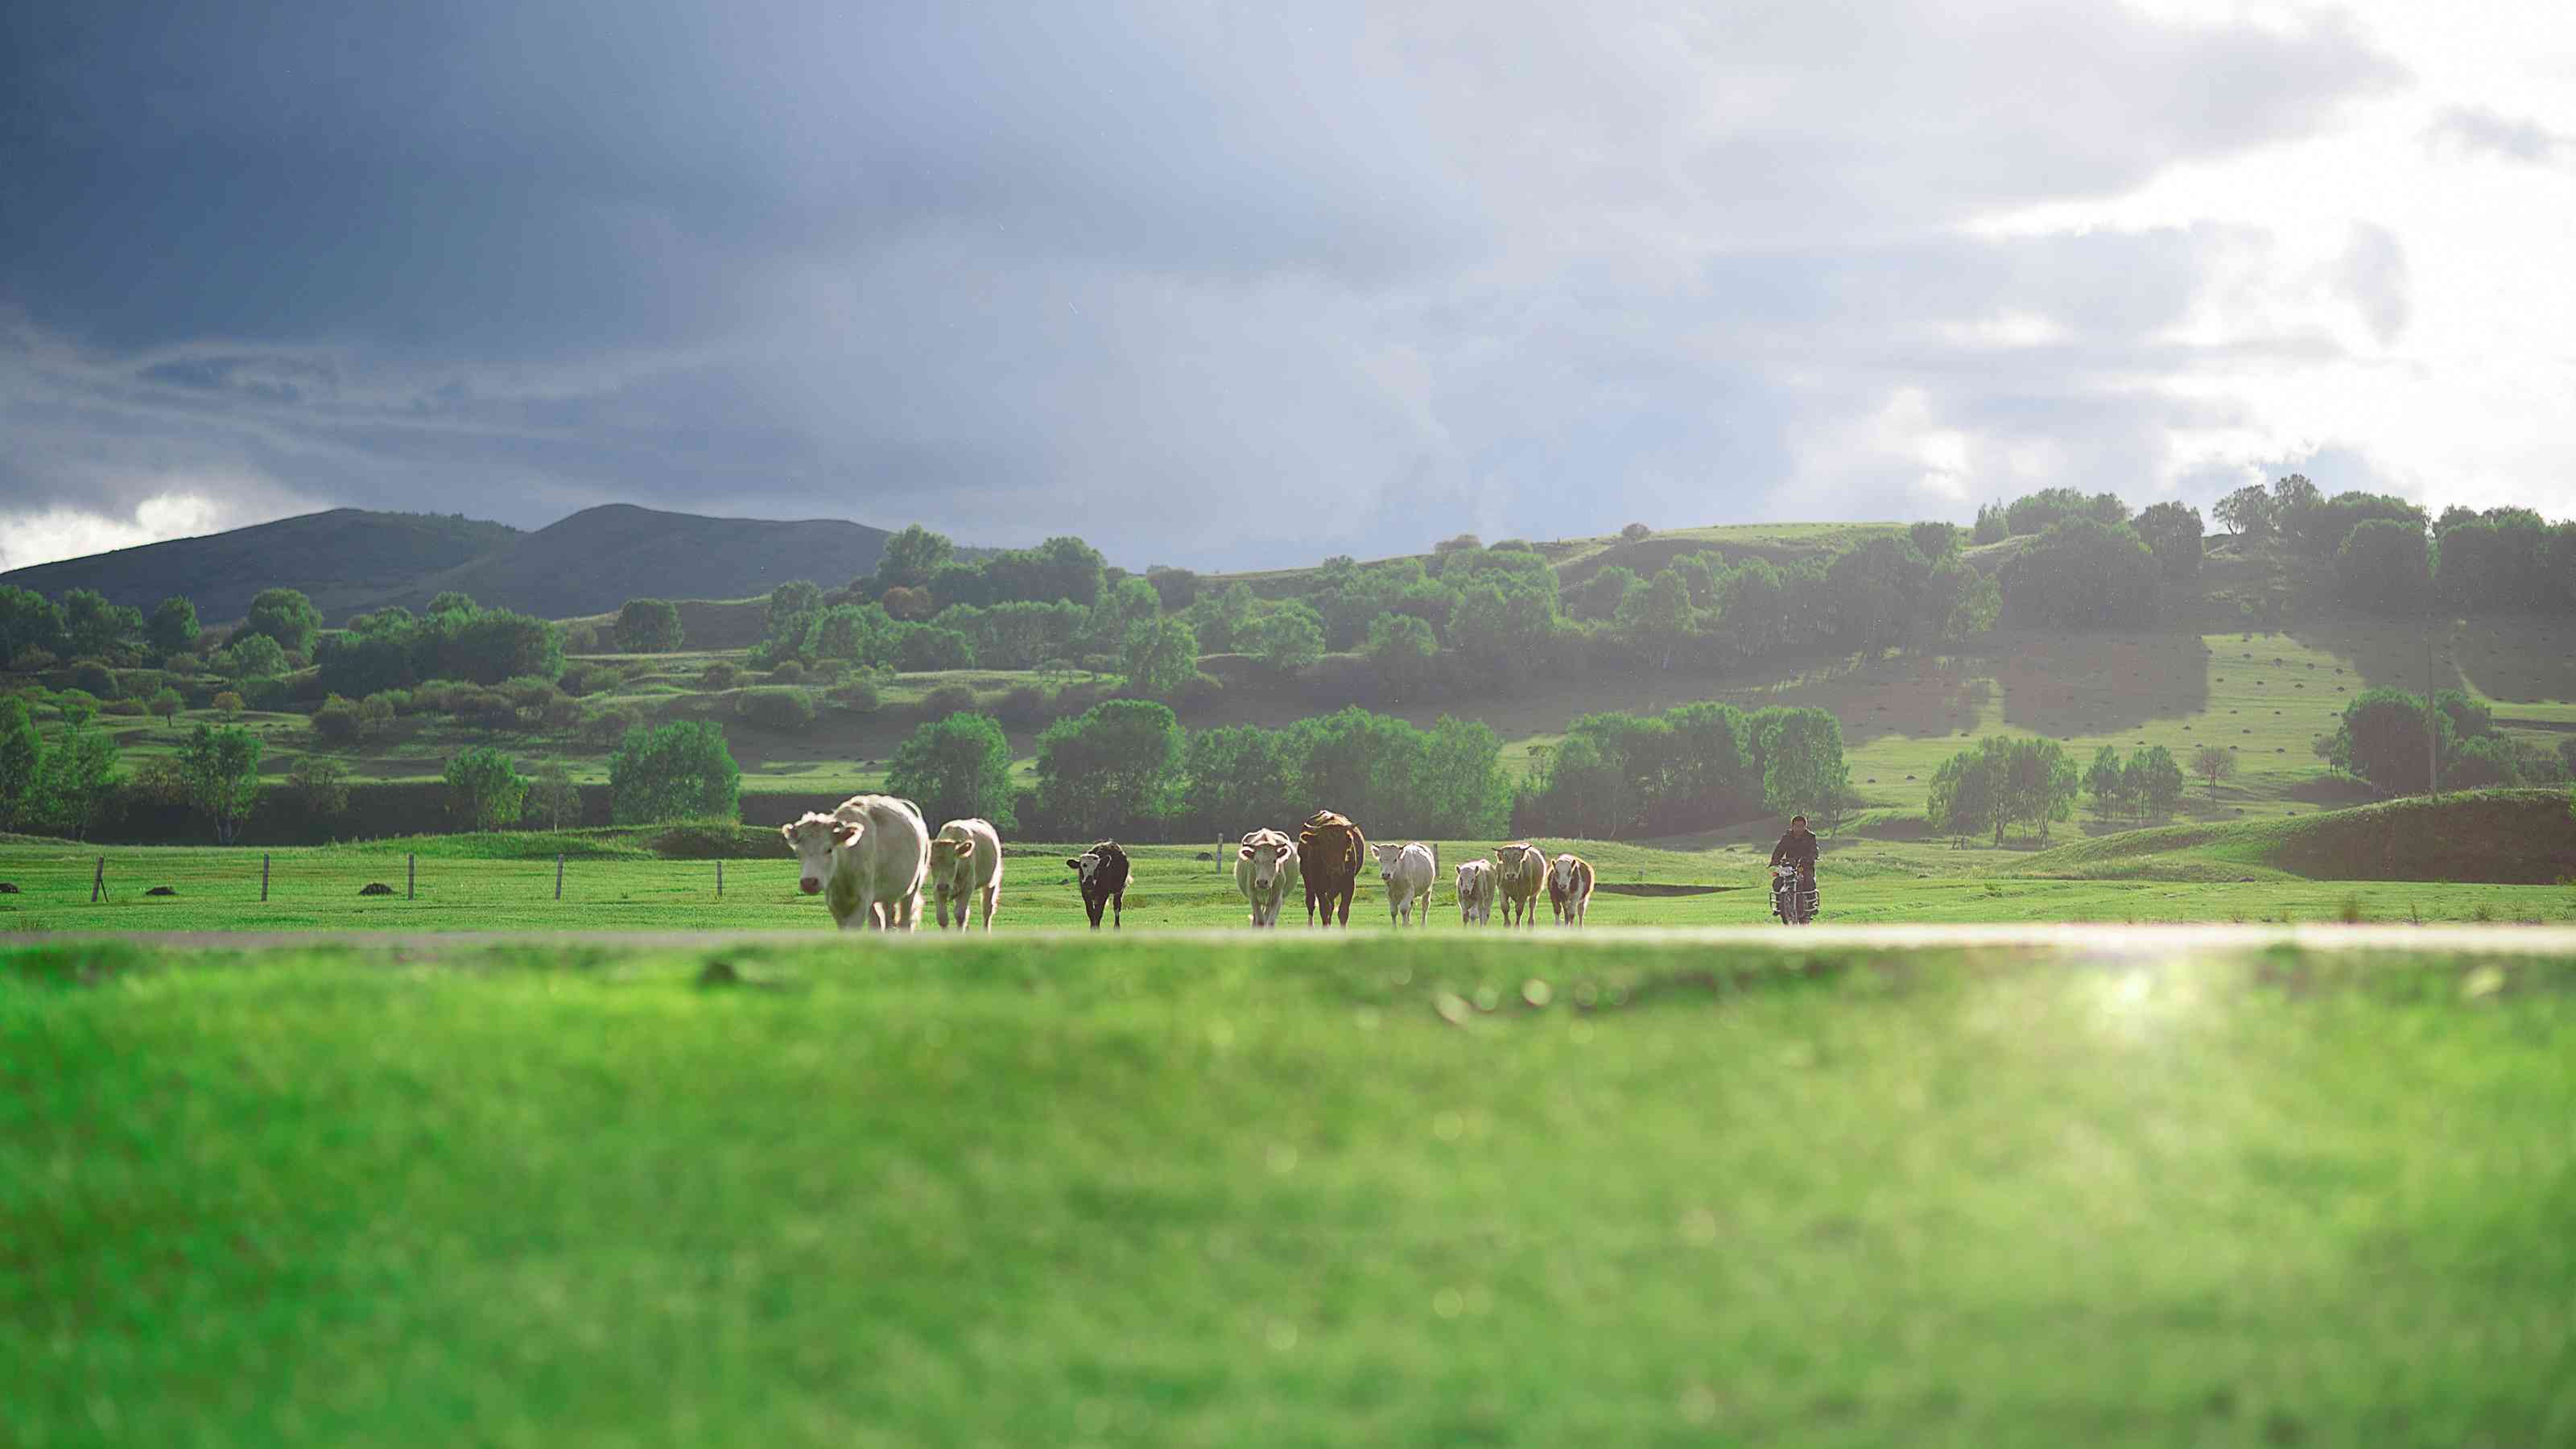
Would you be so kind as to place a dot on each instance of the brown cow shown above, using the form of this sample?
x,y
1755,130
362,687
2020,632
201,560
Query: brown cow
x,y
1569,888
1520,870
1329,851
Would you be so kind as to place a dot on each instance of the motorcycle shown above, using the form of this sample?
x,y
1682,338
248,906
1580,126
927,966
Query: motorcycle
x,y
1794,901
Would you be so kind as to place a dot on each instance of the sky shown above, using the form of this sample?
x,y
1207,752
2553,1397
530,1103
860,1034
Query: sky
x,y
1244,285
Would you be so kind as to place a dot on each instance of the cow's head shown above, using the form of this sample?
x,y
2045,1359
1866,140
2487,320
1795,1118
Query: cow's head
x,y
1266,857
1472,874
1516,860
1086,866
817,841
1561,874
947,852
1387,856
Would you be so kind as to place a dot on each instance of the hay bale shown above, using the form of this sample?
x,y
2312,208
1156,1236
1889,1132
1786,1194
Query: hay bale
x,y
161,891
375,888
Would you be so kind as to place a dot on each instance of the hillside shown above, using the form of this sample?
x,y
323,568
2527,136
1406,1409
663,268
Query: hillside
x,y
2513,837
600,557
345,559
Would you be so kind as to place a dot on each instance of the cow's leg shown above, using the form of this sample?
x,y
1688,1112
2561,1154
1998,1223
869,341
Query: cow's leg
x,y
1118,910
1094,908
992,903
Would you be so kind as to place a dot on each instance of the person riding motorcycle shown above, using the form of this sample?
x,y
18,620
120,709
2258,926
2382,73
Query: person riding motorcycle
x,y
1798,848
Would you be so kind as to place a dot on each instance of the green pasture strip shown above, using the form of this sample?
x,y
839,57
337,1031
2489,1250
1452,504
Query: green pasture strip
x,y
1294,1191
612,888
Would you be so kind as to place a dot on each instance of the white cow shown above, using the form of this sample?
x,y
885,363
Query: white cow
x,y
1408,871
966,865
1263,866
866,859
1476,893
1569,888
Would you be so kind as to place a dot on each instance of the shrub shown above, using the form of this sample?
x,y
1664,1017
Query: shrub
x,y
95,677
489,708
228,704
166,703
859,696
484,789
376,713
1636,533
122,707
789,671
956,766
648,626
184,664
721,675
1023,708
529,692
713,840
338,722
776,709
947,699
605,727
677,771
828,671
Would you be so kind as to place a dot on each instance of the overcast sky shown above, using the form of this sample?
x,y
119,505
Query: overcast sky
x,y
1211,286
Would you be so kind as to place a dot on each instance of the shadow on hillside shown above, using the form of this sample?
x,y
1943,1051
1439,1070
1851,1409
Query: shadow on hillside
x,y
2514,659
2061,685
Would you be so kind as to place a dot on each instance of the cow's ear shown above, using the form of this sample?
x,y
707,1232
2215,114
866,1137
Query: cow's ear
x,y
1073,861
787,833
1246,851
846,833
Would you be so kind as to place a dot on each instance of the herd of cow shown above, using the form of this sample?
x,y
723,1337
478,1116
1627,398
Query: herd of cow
x,y
872,857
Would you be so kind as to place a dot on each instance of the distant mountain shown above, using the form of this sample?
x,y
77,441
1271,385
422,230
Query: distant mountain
x,y
599,558
345,559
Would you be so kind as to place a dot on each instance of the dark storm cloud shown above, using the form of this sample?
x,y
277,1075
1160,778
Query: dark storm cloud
x,y
1146,277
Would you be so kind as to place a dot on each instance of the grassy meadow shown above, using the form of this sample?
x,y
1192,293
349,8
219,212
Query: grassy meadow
x,y
1284,1191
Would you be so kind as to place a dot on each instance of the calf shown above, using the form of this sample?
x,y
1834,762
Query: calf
x,y
1569,888
1262,866
1476,893
966,865
1519,871
1408,871
866,859
1329,851
1102,872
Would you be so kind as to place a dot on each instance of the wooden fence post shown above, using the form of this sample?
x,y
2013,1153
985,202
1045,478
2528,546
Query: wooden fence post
x,y
411,875
719,877
558,875
98,882
263,877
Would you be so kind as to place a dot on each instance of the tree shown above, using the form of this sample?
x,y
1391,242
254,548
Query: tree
x,y
2082,574
219,769
648,626
94,628
1961,601
75,781
1802,760
165,703
1160,657
957,767
2040,783
2382,567
2247,512
1287,639
2106,782
2172,532
452,601
1658,619
1401,648
2382,740
2154,781
227,703
1933,539
28,621
1991,527
1240,777
284,615
173,627
1968,794
252,656
553,798
77,707
676,771
2213,764
22,757
319,785
1876,588
792,606
484,788
1114,769
912,557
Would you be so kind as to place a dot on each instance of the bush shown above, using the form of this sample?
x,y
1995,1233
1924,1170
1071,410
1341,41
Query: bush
x,y
228,704
714,840
947,699
95,677
721,675
528,692
789,671
376,714
648,626
677,771
859,696
166,703
1023,708
828,671
184,664
783,710
484,788
122,707
605,727
337,722
1636,533
956,767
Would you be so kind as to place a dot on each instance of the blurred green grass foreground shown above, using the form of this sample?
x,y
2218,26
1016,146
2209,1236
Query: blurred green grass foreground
x,y
1299,1192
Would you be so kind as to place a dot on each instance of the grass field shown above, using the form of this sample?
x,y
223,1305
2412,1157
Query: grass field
x,y
2250,872
1286,1191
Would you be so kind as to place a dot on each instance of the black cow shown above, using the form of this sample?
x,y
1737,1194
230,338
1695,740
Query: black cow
x,y
1329,851
1102,873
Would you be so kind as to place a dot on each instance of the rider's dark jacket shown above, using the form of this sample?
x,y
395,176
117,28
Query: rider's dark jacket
x,y
1797,848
